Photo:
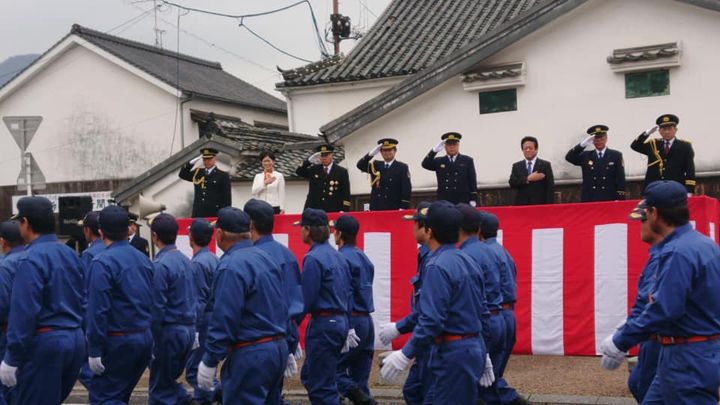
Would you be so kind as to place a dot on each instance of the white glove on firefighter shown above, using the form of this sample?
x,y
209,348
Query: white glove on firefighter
x,y
96,365
587,141
612,357
488,376
299,353
205,376
291,368
650,131
375,150
437,148
314,158
195,159
388,333
196,342
8,374
393,365
473,203
352,341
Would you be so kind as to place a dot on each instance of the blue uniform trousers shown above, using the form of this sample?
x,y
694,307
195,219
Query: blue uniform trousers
x,y
354,366
86,375
253,374
4,391
456,368
51,369
419,380
502,392
324,339
643,373
191,368
125,360
497,393
171,350
687,374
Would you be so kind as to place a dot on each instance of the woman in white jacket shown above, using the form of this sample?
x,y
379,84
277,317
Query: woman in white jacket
x,y
269,185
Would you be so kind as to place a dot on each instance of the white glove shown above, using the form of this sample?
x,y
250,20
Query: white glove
x,y
196,342
612,356
291,368
393,365
8,374
205,376
488,376
195,159
587,141
388,333
650,131
314,158
473,203
437,148
299,353
375,150
96,365
352,341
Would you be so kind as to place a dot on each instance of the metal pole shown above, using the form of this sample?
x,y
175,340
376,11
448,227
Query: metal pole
x,y
28,174
336,38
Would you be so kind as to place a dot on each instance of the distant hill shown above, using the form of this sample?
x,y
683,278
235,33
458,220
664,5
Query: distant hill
x,y
14,64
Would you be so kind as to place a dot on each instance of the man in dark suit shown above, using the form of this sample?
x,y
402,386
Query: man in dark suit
x,y
329,188
137,241
602,168
532,177
389,179
212,185
455,173
669,158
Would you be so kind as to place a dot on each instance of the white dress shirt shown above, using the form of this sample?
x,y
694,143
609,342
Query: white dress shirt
x,y
273,193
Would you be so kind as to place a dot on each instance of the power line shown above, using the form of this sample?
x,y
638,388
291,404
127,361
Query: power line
x,y
131,21
271,45
365,6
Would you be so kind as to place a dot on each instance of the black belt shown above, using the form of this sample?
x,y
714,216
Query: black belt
x,y
327,312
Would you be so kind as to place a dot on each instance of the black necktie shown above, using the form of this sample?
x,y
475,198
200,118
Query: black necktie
x,y
387,165
600,155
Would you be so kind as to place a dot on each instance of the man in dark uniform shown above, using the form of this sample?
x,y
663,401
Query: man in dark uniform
x,y
329,183
212,185
602,168
455,173
669,158
137,241
532,177
389,179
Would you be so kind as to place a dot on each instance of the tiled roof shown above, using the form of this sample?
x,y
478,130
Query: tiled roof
x,y
643,53
197,76
409,36
493,73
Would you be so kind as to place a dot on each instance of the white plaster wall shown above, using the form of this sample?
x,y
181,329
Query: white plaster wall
x,y
569,87
99,121
248,115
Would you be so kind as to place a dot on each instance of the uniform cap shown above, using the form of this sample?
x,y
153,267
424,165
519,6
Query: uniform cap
x,y
347,225
443,216
489,222
470,215
112,219
665,194
10,231
451,137
34,208
259,211
208,153
598,130
91,220
164,224
233,220
313,217
639,213
667,119
388,143
420,212
325,148
201,229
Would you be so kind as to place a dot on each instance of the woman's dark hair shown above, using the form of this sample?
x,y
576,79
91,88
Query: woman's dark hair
x,y
529,139
265,154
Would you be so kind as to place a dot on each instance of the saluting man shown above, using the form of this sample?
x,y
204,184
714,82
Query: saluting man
x,y
602,168
329,183
669,158
456,178
212,185
389,178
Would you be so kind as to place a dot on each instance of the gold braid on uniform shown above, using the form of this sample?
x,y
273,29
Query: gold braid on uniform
x,y
198,182
658,160
374,175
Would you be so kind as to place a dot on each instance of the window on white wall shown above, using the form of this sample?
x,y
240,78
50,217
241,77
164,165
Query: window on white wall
x,y
647,84
498,101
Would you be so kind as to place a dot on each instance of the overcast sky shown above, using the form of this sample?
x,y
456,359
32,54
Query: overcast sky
x,y
33,26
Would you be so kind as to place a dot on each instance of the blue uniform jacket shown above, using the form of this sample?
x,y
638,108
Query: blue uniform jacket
x,y
174,297
362,272
326,280
407,324
508,272
452,299
482,255
120,295
89,254
250,285
204,264
684,301
646,283
291,271
8,267
48,291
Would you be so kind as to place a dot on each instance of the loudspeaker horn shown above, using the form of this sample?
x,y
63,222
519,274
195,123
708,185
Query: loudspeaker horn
x,y
148,207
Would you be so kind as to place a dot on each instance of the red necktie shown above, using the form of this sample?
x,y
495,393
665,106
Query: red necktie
x,y
667,147
327,170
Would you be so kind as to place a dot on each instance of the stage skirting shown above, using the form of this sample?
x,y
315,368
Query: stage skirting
x,y
577,266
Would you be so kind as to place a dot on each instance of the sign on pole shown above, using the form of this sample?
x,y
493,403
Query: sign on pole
x,y
37,178
23,129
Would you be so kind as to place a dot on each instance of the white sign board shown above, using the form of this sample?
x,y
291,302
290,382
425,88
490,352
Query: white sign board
x,y
101,199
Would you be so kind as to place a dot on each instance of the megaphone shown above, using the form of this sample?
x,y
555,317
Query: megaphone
x,y
148,207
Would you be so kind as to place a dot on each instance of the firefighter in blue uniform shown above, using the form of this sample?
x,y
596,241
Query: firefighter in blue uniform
x,y
354,366
451,305
45,342
248,329
682,310
419,377
389,179
11,246
669,158
603,169
119,312
644,371
327,293
212,185
174,312
204,263
262,220
329,183
455,173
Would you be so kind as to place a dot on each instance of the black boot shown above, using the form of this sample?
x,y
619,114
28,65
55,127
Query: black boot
x,y
519,400
357,397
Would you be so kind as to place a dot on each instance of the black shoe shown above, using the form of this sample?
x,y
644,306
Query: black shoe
x,y
357,397
217,398
520,401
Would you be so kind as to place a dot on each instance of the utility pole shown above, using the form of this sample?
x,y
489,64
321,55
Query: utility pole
x,y
340,26
336,33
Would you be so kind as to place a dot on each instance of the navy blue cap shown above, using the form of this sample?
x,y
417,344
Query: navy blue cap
x,y
91,220
639,213
599,130
112,219
201,229
667,119
10,231
313,217
470,215
233,220
164,224
665,194
443,216
489,222
259,210
420,212
450,137
33,207
347,224
325,149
